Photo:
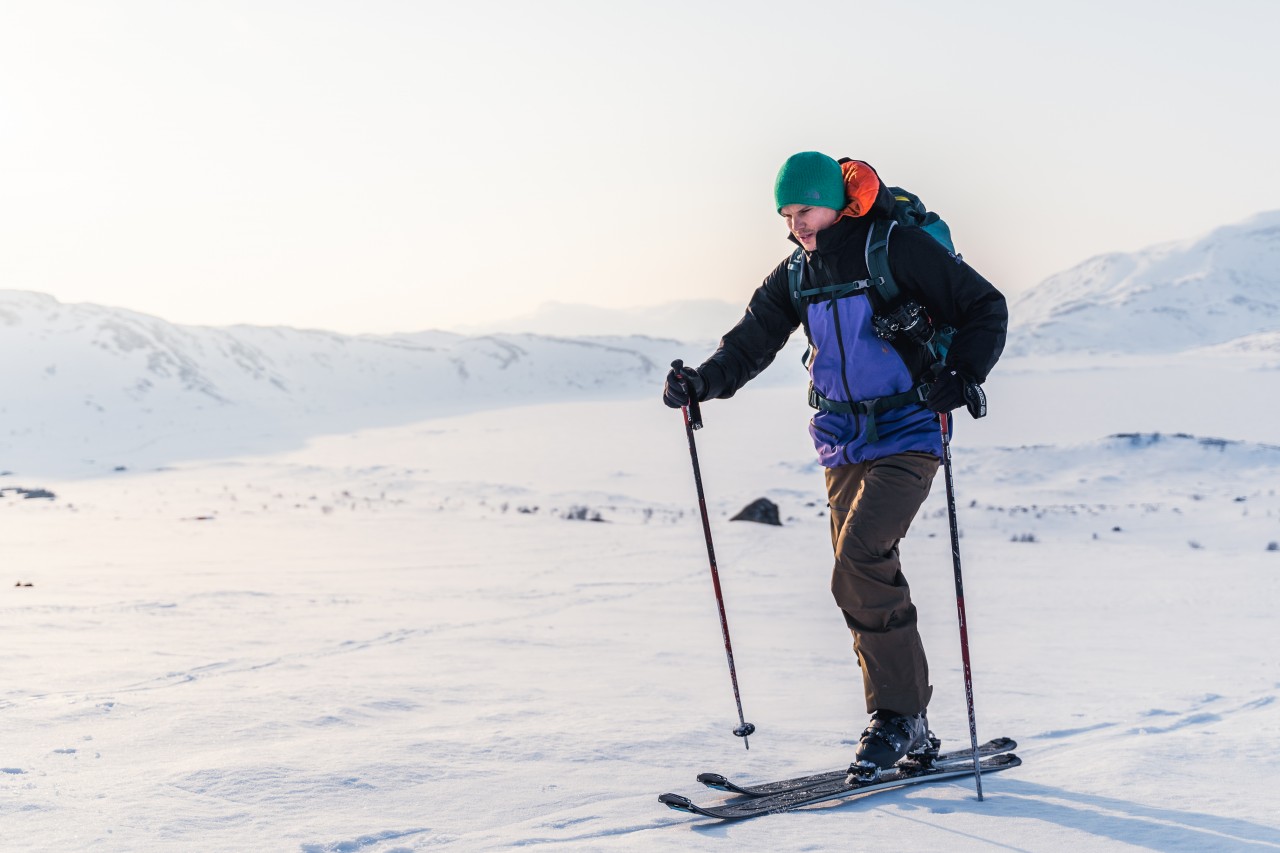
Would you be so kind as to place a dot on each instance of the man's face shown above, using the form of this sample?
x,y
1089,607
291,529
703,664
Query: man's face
x,y
805,222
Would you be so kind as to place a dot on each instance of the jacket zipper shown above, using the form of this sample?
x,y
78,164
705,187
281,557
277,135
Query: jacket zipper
x,y
844,362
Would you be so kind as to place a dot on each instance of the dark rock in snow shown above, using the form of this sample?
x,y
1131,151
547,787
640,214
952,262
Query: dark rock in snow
x,y
29,494
762,510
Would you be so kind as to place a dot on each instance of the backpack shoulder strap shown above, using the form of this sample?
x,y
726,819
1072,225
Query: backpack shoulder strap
x,y
795,281
877,255
887,289
795,284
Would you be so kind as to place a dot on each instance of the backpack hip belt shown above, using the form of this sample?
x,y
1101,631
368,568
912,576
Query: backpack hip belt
x,y
869,408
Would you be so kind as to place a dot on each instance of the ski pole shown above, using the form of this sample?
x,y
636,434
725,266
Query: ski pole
x,y
964,625
693,420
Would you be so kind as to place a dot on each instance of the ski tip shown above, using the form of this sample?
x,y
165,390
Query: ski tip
x,y
1008,759
677,802
714,780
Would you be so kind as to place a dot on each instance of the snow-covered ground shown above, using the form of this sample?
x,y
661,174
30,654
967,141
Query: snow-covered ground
x,y
408,638
281,590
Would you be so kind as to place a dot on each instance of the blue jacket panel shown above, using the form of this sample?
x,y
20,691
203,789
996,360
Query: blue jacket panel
x,y
849,363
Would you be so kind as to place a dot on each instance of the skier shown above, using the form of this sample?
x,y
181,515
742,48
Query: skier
x,y
879,448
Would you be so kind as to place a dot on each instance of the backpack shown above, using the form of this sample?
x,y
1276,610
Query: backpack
x,y
897,314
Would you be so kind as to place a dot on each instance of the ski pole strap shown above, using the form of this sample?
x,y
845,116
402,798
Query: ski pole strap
x,y
869,408
692,411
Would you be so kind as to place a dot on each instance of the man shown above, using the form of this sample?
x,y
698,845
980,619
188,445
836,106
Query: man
x,y
876,435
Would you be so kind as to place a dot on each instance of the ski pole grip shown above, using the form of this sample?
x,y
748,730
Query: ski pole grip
x,y
692,409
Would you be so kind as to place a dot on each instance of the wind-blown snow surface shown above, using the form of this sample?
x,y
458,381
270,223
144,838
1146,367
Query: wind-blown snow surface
x,y
403,639
348,595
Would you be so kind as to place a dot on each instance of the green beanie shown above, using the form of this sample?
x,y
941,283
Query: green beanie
x,y
812,179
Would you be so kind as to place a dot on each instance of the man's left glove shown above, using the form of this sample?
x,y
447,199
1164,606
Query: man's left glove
x,y
952,389
673,393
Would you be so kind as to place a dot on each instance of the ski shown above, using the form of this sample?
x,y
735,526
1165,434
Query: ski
x,y
836,789
720,783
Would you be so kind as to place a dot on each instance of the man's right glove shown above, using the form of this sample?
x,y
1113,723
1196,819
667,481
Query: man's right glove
x,y
673,393
952,389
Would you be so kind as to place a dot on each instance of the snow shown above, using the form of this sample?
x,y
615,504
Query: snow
x,y
356,609
1199,292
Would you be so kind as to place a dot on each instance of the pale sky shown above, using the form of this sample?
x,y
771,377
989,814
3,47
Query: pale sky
x,y
380,166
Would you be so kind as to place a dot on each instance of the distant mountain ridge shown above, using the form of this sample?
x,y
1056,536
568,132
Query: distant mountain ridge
x,y
91,381
1177,296
87,385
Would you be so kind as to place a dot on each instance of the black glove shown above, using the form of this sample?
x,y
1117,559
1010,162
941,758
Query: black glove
x,y
673,393
952,389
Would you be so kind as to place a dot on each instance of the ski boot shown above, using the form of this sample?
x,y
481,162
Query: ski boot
x,y
889,738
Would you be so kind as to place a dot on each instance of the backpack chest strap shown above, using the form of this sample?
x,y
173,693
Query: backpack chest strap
x,y
838,291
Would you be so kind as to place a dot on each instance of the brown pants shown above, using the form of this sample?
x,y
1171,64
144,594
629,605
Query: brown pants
x,y
872,505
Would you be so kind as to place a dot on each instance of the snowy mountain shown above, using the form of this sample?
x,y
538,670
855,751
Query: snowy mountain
x,y
1168,298
91,384
90,380
117,357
